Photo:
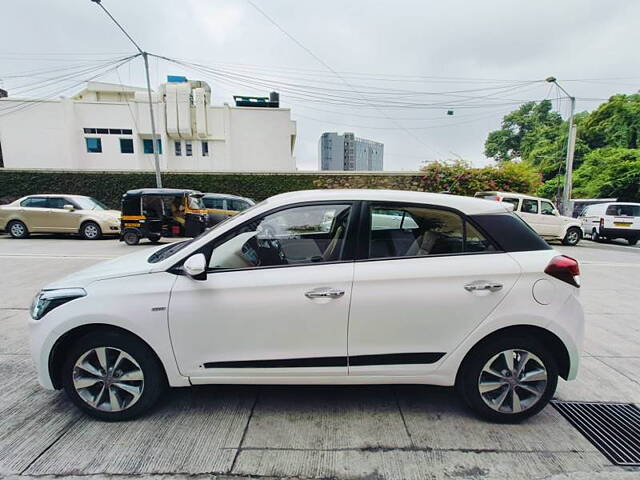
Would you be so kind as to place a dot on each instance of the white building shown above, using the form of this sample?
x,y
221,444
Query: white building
x,y
107,127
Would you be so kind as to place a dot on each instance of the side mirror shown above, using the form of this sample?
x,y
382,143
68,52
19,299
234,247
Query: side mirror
x,y
69,208
196,266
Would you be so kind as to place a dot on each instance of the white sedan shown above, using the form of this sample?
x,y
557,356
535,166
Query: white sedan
x,y
354,287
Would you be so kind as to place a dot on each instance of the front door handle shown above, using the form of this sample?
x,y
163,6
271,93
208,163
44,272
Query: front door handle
x,y
324,292
482,285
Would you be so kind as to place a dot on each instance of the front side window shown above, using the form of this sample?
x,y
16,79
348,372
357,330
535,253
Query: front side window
x,y
421,231
89,203
94,145
57,202
547,208
34,202
295,236
126,145
529,206
214,203
237,205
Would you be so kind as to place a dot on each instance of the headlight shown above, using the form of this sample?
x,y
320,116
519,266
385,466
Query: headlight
x,y
47,300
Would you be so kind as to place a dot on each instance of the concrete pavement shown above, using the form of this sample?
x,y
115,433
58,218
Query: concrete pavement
x,y
377,432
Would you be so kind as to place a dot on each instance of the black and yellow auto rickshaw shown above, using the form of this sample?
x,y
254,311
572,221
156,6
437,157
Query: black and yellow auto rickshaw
x,y
154,213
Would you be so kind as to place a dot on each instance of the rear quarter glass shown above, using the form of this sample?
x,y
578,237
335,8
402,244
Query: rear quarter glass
x,y
510,232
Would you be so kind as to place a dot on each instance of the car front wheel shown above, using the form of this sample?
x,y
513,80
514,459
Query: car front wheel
x,y
508,380
113,376
91,231
572,237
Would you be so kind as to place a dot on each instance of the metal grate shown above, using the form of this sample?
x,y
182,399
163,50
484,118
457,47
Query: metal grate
x,y
613,428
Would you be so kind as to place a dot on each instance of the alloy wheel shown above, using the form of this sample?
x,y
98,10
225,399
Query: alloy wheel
x,y
512,381
17,230
108,379
572,236
91,231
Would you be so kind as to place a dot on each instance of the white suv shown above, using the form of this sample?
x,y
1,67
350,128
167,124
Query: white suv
x,y
607,221
541,215
353,287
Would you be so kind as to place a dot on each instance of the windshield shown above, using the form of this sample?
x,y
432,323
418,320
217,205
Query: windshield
x,y
89,203
196,203
170,250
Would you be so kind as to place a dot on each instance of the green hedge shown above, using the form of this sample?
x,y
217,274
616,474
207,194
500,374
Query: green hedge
x,y
109,186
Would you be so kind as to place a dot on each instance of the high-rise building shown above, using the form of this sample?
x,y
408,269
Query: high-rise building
x,y
349,153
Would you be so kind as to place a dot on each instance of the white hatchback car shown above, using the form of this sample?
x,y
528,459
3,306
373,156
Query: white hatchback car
x,y
542,215
353,287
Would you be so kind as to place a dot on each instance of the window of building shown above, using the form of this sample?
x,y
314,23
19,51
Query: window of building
x,y
127,131
529,206
126,145
94,145
102,130
178,148
89,130
205,149
147,145
420,231
295,236
188,149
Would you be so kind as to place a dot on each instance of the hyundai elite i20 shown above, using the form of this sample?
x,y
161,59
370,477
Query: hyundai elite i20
x,y
322,287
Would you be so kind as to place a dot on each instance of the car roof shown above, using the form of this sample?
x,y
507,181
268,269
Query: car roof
x,y
56,195
468,205
606,204
512,194
160,191
225,195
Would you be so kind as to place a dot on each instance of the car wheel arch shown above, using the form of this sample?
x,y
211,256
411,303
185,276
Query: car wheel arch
x,y
546,337
63,344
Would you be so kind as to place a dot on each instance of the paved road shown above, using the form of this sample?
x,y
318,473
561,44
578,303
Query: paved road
x,y
380,432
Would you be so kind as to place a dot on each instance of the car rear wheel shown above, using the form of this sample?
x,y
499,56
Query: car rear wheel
x,y
90,231
17,229
113,376
131,238
572,237
508,380
595,236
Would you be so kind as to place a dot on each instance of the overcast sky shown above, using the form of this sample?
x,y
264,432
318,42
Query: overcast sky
x,y
383,50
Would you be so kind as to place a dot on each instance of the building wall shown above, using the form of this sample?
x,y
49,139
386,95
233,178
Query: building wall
x,y
50,134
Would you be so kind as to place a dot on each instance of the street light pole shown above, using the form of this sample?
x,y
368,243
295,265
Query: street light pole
x,y
571,146
154,137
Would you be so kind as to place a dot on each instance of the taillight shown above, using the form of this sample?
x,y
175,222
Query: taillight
x,y
564,268
601,223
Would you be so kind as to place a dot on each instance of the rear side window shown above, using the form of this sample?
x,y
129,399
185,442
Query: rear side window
x,y
34,202
529,206
216,203
624,210
512,201
408,231
510,232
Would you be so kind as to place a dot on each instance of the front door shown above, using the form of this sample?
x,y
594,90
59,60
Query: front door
x,y
60,219
425,284
551,223
275,302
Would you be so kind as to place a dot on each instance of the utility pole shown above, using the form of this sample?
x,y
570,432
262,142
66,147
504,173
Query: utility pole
x,y
571,146
154,137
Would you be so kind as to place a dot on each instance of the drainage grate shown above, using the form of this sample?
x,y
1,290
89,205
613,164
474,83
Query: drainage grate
x,y
613,428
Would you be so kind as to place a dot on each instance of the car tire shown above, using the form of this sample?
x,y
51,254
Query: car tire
x,y
632,241
572,237
17,229
491,395
93,367
131,238
595,236
90,231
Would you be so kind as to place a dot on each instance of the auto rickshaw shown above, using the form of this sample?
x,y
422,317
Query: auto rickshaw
x,y
154,213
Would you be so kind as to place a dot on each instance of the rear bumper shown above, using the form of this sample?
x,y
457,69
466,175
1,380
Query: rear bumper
x,y
620,233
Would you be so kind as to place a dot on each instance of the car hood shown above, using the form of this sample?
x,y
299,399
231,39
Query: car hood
x,y
132,264
569,220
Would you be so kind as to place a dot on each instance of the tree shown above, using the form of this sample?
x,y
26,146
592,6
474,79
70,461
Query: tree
x,y
615,123
524,130
610,172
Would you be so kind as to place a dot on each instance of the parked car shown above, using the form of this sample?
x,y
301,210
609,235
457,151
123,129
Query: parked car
x,y
607,221
461,293
541,215
74,214
221,206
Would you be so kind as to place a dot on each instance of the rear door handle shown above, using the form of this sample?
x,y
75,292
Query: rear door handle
x,y
482,285
324,292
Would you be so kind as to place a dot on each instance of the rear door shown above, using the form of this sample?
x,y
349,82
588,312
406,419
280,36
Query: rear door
x,y
420,287
622,217
35,214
